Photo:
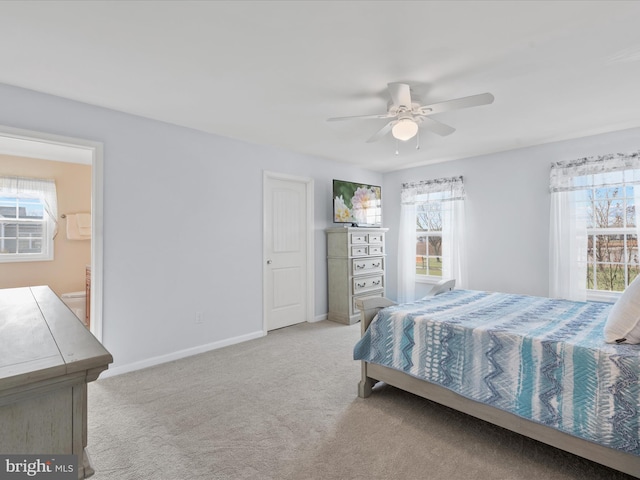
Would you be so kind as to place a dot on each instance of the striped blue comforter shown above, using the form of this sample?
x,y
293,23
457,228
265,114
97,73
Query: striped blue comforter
x,y
539,358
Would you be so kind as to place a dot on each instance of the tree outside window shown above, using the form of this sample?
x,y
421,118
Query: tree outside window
x,y
612,245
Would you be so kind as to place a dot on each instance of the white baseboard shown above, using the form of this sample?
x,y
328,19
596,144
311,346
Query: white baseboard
x,y
319,318
150,362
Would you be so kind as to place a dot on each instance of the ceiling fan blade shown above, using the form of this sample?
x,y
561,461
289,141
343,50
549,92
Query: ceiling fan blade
x,y
381,115
437,127
400,94
464,102
381,133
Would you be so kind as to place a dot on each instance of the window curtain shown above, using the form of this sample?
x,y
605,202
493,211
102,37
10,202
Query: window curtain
x,y
453,241
569,183
42,189
568,247
450,192
407,253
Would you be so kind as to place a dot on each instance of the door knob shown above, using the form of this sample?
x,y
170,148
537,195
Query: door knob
x,y
269,262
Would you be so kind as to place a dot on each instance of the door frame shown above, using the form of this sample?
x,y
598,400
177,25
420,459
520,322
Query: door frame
x,y
97,188
310,280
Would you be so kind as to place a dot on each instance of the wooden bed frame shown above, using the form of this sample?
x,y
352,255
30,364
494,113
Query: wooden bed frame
x,y
373,373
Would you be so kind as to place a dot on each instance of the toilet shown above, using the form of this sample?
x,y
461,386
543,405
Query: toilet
x,y
76,301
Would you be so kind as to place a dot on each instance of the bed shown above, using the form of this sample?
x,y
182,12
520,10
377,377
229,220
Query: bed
x,y
536,366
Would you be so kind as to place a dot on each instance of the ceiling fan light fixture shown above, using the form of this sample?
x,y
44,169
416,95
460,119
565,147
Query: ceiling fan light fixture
x,y
404,129
404,114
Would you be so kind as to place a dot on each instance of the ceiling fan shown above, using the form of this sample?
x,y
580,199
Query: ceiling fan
x,y
407,115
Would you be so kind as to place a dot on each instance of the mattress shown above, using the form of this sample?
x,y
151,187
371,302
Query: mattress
x,y
541,359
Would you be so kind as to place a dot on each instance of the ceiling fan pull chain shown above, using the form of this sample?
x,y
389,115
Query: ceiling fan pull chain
x,y
418,140
397,147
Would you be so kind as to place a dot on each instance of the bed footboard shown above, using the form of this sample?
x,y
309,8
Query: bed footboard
x,y
368,307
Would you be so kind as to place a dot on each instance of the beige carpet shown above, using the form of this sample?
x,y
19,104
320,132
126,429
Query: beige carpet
x,y
285,407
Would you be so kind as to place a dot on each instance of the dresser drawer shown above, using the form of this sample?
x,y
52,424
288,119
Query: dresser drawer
x,y
365,284
359,251
358,238
376,238
366,265
375,250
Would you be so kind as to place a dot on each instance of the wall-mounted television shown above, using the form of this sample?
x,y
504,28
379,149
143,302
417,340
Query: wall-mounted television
x,y
357,203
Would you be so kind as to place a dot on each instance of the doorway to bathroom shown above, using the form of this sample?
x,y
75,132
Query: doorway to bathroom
x,y
75,166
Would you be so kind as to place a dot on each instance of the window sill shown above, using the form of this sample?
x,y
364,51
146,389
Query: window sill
x,y
602,296
427,280
8,258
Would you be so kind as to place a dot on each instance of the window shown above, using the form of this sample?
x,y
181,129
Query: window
x,y
612,242
429,239
594,238
431,243
27,219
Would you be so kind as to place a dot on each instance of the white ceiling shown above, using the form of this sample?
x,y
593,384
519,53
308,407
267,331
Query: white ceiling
x,y
272,72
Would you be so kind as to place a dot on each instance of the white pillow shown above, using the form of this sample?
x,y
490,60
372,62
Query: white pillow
x,y
623,323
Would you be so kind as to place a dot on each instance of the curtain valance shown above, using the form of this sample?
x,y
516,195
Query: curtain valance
x,y
450,188
598,171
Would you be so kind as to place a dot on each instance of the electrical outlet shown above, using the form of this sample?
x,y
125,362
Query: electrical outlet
x,y
199,317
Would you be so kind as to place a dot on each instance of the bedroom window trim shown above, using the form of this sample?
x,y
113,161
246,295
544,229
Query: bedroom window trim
x,y
449,194
573,187
29,190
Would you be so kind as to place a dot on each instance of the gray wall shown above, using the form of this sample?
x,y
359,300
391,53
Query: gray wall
x,y
507,210
160,183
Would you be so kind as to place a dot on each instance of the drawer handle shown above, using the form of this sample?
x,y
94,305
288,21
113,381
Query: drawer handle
x,y
361,285
376,265
377,282
360,266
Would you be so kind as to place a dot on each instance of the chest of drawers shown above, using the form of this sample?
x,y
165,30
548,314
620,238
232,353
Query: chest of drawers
x,y
356,269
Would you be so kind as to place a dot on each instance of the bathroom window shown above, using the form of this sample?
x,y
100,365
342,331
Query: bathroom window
x,y
27,219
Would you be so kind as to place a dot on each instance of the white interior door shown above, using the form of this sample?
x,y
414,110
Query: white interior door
x,y
286,248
